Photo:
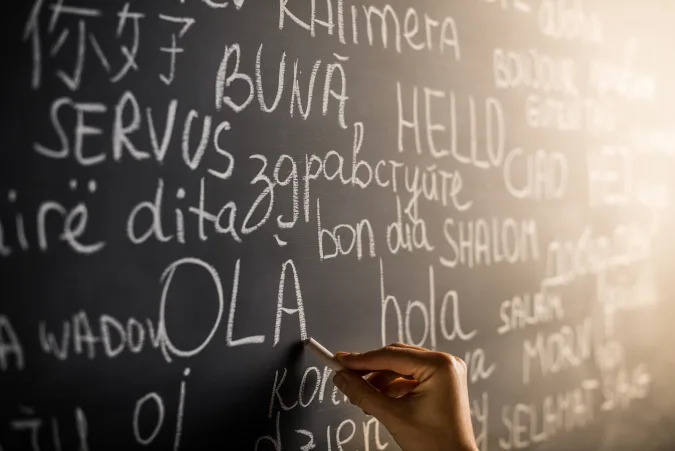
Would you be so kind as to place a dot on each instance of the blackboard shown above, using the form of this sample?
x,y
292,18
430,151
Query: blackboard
x,y
190,188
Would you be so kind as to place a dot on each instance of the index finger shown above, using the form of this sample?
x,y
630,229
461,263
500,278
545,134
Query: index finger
x,y
404,361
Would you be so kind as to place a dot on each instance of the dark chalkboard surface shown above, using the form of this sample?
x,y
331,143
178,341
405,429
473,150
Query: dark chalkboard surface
x,y
190,188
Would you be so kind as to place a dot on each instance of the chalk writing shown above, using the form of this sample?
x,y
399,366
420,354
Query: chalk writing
x,y
190,188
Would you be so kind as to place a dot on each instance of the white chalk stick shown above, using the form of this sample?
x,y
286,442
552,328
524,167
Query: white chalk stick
x,y
324,354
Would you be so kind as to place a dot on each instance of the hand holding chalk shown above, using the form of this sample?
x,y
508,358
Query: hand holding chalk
x,y
420,396
324,354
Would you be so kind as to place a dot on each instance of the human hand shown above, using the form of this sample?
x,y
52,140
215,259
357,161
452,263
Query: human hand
x,y
420,396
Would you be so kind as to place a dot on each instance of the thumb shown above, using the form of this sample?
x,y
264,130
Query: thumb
x,y
399,388
364,395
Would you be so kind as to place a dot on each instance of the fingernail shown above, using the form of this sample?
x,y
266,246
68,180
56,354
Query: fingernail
x,y
339,380
341,355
